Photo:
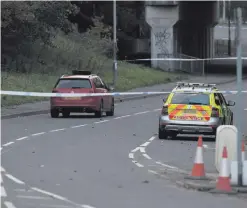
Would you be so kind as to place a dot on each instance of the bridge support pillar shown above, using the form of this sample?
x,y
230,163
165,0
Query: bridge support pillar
x,y
161,21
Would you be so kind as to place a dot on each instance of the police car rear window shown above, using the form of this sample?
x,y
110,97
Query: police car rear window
x,y
73,83
190,99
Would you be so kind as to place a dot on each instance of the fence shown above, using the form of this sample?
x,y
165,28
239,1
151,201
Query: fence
x,y
182,62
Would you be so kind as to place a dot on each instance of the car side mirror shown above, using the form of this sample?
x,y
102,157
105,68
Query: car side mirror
x,y
230,103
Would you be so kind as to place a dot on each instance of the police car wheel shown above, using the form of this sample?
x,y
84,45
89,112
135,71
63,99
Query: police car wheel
x,y
162,134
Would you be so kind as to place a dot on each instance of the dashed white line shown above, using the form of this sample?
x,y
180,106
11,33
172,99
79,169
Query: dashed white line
x,y
122,117
158,109
152,138
145,144
245,109
164,165
141,113
56,130
138,164
103,121
22,138
7,144
2,169
14,179
152,171
9,204
37,134
131,155
49,194
3,192
136,149
142,149
33,197
147,156
55,206
1,179
73,127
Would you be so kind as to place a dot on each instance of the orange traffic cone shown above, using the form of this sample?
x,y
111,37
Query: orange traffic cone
x,y
198,170
223,183
243,151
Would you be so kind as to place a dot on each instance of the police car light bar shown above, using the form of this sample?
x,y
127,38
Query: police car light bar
x,y
180,84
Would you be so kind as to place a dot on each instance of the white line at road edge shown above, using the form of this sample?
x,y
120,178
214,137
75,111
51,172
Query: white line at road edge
x,y
18,181
142,149
9,204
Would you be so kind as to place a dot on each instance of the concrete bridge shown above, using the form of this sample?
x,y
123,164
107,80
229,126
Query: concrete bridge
x,y
185,28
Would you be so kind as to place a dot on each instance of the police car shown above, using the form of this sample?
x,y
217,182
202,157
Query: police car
x,y
81,82
194,108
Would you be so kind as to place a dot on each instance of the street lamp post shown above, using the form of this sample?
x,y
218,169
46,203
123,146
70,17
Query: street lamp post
x,y
229,28
114,43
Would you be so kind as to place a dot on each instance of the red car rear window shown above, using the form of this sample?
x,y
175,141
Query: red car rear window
x,y
73,83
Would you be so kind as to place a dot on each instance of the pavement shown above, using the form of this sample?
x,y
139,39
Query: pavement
x,y
82,161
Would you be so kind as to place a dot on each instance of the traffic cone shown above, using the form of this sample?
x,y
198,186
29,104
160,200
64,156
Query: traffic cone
x,y
223,183
243,151
198,170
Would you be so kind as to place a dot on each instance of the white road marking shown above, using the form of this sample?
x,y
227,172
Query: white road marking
x,y
22,138
152,171
56,130
152,138
103,121
158,109
37,134
207,147
7,144
33,197
147,156
49,194
245,109
87,206
131,155
136,149
14,179
164,165
122,117
145,144
2,169
1,179
141,113
3,192
138,164
9,204
55,206
142,149
23,190
72,127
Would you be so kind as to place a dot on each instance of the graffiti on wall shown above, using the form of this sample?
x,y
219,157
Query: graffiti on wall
x,y
162,41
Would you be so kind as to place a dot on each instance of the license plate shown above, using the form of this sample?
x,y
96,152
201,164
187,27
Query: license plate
x,y
191,111
72,98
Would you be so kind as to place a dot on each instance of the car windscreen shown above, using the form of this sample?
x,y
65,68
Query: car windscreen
x,y
73,83
191,98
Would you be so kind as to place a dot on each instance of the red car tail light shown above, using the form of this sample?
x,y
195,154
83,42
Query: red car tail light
x,y
164,110
215,113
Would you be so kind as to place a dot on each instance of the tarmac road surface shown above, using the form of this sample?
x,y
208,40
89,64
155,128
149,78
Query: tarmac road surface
x,y
84,162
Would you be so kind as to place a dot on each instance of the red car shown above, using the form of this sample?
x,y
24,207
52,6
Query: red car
x,y
81,82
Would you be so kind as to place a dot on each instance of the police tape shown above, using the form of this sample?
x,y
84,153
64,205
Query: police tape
x,y
115,94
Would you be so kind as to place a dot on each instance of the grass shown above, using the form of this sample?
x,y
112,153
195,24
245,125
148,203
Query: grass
x,y
43,65
130,76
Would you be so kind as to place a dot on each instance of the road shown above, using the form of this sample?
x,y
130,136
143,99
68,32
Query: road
x,y
88,162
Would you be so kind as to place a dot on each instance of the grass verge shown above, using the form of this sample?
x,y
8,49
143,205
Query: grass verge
x,y
130,76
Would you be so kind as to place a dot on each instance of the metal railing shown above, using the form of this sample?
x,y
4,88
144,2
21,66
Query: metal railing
x,y
181,62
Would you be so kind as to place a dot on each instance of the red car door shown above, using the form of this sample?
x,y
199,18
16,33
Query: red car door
x,y
99,88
